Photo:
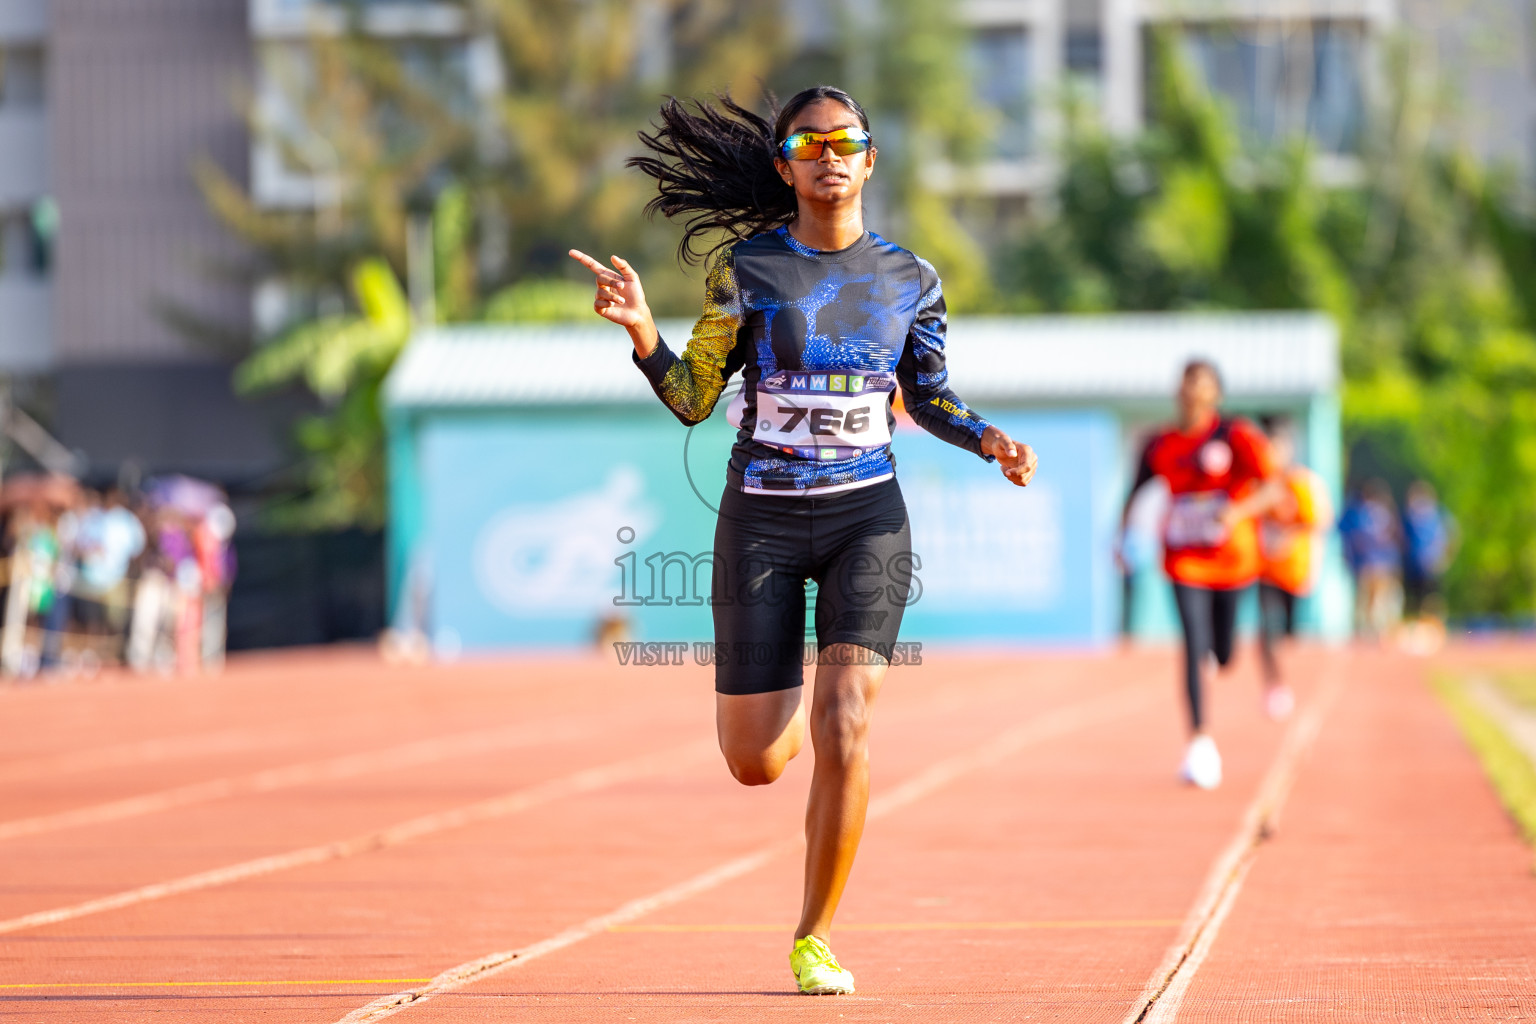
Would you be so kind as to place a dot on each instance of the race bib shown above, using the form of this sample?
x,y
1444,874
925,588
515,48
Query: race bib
x,y
1277,540
1194,521
822,415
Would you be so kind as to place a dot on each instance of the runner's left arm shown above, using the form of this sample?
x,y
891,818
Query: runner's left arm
x,y
1254,458
924,377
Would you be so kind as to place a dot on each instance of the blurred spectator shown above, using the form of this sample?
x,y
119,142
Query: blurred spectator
x,y
179,606
1373,547
153,599
1430,538
173,543
55,617
32,581
110,537
90,580
37,573
211,538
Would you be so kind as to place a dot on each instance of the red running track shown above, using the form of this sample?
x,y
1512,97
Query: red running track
x,y
315,837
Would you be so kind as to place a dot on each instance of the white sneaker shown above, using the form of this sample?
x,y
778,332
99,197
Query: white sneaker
x,y
1279,702
1202,763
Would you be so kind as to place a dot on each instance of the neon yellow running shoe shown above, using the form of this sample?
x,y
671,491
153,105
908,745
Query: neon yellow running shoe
x,y
817,970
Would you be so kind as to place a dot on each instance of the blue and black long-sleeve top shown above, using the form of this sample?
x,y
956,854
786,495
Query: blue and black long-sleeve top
x,y
822,341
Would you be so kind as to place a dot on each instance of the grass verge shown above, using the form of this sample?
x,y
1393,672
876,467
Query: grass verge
x,y
1520,688
1506,765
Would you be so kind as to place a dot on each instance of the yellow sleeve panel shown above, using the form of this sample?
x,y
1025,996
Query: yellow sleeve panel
x,y
691,386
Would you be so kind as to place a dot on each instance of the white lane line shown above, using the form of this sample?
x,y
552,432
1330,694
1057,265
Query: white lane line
x,y
1163,994
586,781
334,769
1048,726
495,963
166,748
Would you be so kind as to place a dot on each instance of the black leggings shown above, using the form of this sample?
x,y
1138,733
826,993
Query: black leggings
x,y
1277,621
1210,623
856,545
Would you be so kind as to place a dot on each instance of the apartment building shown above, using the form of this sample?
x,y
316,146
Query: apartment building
x,y
105,105
27,221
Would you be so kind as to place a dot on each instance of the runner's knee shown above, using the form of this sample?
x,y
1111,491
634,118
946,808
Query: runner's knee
x,y
755,767
840,727
759,733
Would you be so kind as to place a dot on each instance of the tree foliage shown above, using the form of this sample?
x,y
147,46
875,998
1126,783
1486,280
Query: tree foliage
x,y
343,359
1425,264
1179,217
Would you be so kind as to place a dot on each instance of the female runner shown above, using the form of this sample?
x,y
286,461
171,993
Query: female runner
x,y
1221,477
824,321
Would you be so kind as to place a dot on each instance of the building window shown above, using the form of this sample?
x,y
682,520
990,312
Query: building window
x,y
26,240
300,6
440,68
1283,80
1000,78
278,305
1085,51
21,76
296,19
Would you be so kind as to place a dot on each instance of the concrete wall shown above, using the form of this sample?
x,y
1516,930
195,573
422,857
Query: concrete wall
x,y
172,417
23,156
23,20
26,324
137,91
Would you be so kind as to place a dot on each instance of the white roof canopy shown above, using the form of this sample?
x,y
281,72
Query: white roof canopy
x,y
1042,358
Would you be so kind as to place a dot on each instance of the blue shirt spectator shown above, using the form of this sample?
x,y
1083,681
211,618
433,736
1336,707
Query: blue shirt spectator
x,y
1427,529
1372,538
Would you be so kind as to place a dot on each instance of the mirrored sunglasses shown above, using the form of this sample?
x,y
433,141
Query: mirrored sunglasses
x,y
808,145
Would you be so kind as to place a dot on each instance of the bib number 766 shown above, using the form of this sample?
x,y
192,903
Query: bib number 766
x,y
825,422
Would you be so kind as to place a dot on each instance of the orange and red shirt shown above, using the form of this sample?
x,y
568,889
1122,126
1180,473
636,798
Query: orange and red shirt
x,y
1205,472
1287,532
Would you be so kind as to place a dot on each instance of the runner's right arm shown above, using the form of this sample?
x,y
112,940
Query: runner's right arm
x,y
690,385
1144,473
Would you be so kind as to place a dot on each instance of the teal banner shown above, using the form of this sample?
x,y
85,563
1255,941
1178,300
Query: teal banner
x,y
539,525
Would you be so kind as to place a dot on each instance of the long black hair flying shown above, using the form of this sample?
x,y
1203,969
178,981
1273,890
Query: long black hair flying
x,y
714,167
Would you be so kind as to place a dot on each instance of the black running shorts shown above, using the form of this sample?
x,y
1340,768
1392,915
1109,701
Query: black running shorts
x,y
857,547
